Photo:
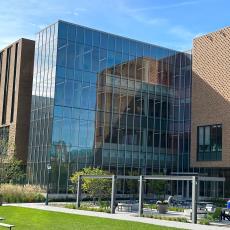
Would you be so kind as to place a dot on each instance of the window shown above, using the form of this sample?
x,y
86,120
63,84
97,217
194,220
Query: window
x,y
14,83
6,85
209,143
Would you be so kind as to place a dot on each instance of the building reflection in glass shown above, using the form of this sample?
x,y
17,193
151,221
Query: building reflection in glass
x,y
110,102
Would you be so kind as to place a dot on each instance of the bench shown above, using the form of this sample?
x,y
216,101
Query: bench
x,y
6,225
225,213
123,206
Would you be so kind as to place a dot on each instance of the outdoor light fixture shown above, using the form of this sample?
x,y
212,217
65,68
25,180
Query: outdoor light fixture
x,y
48,181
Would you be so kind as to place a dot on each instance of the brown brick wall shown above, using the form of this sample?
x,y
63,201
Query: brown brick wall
x,y
211,91
19,128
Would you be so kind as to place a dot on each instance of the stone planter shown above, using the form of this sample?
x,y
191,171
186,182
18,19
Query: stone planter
x,y
162,208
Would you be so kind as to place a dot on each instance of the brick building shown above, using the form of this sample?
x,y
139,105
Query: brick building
x,y
16,74
210,129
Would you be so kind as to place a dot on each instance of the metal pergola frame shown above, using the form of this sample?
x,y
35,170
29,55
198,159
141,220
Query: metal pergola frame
x,y
194,179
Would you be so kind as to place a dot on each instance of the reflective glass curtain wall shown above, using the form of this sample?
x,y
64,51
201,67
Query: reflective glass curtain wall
x,y
119,104
42,104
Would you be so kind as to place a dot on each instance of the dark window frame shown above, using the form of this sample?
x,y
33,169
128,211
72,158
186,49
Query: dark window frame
x,y
210,153
6,85
14,83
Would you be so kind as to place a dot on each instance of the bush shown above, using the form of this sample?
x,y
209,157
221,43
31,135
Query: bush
x,y
89,207
204,221
216,214
19,193
71,206
94,187
176,209
151,206
219,202
95,209
104,204
170,208
169,218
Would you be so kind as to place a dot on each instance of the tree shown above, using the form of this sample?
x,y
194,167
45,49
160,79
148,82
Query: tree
x,y
132,184
157,187
11,169
100,188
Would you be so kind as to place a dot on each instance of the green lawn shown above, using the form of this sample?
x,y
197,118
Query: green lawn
x,y
26,218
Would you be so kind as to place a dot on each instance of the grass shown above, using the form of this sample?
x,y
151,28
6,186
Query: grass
x,y
14,193
26,218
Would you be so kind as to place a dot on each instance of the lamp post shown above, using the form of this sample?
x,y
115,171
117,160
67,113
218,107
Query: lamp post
x,y
48,181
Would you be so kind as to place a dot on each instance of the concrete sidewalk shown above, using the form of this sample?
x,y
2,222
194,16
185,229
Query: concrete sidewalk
x,y
123,216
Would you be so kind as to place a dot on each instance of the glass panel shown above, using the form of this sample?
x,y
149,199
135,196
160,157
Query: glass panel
x,y
80,35
72,33
201,135
210,143
213,141
114,98
219,138
207,138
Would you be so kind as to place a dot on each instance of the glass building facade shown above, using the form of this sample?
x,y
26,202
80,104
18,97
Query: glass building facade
x,y
106,101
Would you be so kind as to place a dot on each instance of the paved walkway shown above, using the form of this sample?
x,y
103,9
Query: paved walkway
x,y
124,216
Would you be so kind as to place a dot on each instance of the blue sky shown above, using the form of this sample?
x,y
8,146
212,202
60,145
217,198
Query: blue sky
x,y
169,23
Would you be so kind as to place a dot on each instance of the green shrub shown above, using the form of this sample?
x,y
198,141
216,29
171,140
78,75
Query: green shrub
x,y
95,209
151,206
176,209
104,204
169,218
219,202
170,208
204,221
71,206
21,194
216,214
88,207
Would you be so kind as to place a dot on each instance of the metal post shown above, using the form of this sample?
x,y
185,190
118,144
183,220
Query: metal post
x,y
205,184
78,191
182,185
140,209
47,190
223,190
48,183
187,189
113,194
194,199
